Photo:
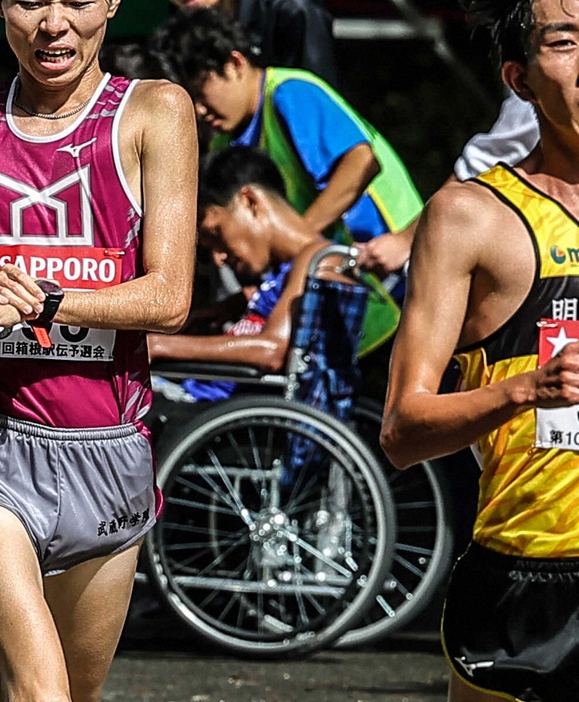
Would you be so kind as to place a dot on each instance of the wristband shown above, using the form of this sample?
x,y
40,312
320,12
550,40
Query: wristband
x,y
54,295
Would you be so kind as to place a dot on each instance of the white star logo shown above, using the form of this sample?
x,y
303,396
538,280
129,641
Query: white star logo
x,y
560,341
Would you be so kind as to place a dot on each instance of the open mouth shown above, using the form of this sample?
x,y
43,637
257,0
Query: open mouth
x,y
54,56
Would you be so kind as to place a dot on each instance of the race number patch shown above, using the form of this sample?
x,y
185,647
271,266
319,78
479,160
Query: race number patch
x,y
68,344
557,428
74,268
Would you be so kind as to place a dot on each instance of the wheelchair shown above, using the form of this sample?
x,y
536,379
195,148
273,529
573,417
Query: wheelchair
x,y
425,538
285,528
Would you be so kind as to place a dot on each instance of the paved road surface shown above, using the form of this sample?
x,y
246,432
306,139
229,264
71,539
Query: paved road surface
x,y
160,662
333,676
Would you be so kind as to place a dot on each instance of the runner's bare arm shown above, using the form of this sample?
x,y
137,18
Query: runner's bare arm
x,y
351,176
20,297
452,246
159,156
266,350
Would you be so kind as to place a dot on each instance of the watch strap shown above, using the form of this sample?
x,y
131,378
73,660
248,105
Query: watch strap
x,y
51,306
41,324
42,337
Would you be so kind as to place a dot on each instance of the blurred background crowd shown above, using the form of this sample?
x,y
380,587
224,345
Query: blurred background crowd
x,y
408,66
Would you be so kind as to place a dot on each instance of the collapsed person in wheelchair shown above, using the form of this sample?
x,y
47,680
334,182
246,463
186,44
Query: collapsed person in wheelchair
x,y
279,524
247,223
231,469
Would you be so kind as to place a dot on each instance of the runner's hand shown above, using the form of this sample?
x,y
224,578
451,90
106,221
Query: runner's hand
x,y
557,382
20,292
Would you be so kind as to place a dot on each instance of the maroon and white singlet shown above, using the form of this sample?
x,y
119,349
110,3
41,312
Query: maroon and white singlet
x,y
66,213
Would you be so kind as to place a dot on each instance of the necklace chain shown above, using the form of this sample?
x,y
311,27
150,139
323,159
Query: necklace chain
x,y
45,115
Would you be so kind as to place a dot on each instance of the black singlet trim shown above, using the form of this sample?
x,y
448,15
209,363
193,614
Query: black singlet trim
x,y
538,191
536,278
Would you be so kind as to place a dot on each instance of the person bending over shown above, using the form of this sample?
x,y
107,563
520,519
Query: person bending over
x,y
246,221
340,173
291,33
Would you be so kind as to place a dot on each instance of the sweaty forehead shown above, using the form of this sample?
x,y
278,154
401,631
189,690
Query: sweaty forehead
x,y
558,11
210,225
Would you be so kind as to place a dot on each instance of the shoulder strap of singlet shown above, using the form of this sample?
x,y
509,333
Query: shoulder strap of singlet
x,y
554,229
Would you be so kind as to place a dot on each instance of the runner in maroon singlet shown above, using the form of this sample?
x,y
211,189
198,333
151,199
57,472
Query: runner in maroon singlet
x,y
97,195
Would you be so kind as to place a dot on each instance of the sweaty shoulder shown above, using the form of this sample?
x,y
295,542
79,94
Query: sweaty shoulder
x,y
329,267
462,213
304,258
459,250
157,127
160,100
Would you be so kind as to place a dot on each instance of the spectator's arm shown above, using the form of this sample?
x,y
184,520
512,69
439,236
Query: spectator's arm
x,y
351,176
387,253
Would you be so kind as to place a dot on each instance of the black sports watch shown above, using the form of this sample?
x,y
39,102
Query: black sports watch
x,y
40,325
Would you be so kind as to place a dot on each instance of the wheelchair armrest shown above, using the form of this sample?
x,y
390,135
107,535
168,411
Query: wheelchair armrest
x,y
202,370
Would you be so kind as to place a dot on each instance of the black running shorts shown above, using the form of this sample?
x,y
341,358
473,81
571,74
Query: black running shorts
x,y
511,625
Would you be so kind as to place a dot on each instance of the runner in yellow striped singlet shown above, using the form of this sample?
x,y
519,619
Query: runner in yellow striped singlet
x,y
494,281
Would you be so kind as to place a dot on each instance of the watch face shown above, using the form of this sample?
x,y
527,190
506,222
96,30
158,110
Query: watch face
x,y
49,288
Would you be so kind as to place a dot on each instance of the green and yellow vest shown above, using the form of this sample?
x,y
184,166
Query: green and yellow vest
x,y
392,190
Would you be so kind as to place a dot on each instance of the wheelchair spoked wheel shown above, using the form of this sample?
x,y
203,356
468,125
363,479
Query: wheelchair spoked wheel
x,y
278,527
423,551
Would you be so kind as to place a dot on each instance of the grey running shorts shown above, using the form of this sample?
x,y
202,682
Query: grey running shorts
x,y
80,493
511,625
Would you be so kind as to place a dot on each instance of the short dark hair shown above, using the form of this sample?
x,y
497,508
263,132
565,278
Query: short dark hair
x,y
131,60
509,23
222,173
194,42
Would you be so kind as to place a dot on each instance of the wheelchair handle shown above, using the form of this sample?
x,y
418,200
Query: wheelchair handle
x,y
350,254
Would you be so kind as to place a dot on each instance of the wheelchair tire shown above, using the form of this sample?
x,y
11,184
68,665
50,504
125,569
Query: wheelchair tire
x,y
424,538
260,561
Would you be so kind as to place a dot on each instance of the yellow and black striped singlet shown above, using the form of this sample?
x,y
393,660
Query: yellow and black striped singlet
x,y
529,497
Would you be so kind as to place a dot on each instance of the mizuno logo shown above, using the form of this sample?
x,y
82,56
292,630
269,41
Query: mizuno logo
x,y
471,667
73,150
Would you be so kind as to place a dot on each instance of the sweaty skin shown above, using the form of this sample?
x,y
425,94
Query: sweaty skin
x,y
60,633
472,265
159,119
256,231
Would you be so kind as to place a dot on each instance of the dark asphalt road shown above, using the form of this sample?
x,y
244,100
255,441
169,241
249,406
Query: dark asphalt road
x,y
158,661
398,674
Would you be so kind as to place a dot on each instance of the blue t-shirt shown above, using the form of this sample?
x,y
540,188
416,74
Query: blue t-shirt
x,y
321,133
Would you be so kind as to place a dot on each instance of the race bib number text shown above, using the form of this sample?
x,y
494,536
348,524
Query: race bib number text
x,y
69,344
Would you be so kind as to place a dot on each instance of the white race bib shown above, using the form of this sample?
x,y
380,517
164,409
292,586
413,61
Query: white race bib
x,y
68,344
557,428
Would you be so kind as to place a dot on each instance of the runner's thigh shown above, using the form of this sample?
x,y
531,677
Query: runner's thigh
x,y
89,604
32,662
